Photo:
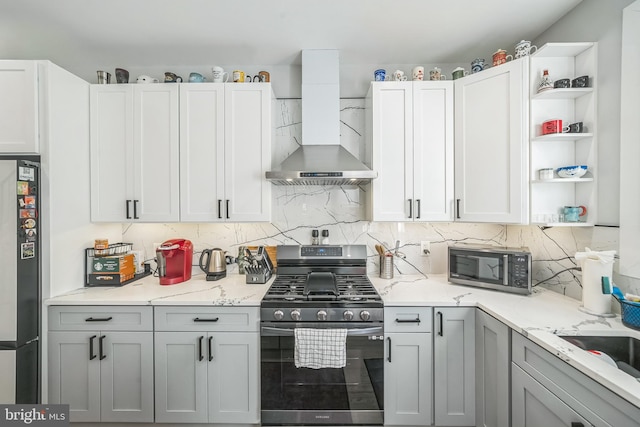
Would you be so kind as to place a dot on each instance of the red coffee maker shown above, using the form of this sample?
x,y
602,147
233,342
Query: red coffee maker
x,y
174,259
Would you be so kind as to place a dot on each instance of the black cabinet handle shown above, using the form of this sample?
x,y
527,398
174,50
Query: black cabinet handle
x,y
389,355
440,332
418,208
135,209
410,208
210,349
227,208
219,208
200,356
91,355
576,424
416,320
101,347
458,208
197,319
128,204
98,319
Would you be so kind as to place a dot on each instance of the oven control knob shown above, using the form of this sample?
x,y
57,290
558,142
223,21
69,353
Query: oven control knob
x,y
322,315
347,315
365,315
295,315
278,315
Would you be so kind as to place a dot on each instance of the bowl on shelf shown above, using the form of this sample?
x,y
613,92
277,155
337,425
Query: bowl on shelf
x,y
575,171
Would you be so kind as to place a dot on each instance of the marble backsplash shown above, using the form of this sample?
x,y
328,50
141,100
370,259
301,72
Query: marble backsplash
x,y
297,210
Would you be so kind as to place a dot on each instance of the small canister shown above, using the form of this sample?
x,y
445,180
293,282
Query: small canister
x,y
386,266
546,173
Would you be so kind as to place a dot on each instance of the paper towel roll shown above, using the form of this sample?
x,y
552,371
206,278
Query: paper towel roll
x,y
593,299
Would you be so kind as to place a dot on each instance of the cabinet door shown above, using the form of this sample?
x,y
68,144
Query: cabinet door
x,y
247,152
433,151
19,107
233,377
454,362
491,134
392,151
533,405
156,153
201,152
492,371
74,373
126,377
112,190
181,377
408,379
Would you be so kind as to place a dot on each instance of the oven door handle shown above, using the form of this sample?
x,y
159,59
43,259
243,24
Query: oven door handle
x,y
272,331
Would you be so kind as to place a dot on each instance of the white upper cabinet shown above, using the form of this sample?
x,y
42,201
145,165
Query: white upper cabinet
x,y
629,147
19,107
410,128
201,152
181,152
551,151
134,153
491,144
225,150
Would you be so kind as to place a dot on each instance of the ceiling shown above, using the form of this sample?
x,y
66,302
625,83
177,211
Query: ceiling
x,y
74,33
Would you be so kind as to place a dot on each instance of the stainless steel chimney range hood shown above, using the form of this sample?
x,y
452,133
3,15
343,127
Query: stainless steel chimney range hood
x,y
321,160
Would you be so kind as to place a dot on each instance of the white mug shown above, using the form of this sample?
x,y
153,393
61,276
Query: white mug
x,y
219,75
418,73
399,76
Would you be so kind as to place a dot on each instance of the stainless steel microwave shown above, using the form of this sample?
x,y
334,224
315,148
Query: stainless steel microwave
x,y
492,267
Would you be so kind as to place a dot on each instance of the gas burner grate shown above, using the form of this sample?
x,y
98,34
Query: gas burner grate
x,y
350,288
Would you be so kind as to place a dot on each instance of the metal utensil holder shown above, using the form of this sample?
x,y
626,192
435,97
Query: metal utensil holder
x,y
386,266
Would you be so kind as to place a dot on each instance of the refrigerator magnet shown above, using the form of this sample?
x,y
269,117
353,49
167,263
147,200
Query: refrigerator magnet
x,y
29,223
22,188
27,213
27,250
29,202
26,174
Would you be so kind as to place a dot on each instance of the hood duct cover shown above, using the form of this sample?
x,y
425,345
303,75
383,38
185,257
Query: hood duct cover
x,y
321,160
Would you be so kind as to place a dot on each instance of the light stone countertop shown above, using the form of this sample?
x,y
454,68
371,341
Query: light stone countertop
x,y
231,290
540,316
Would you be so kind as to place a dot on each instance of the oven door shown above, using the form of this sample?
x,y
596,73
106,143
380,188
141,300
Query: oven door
x,y
338,396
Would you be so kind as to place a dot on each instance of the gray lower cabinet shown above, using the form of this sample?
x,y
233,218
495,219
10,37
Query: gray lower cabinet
x,y
207,365
454,366
548,392
408,386
100,363
493,361
536,406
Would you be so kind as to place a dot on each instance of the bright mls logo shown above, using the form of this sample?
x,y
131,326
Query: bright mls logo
x,y
36,415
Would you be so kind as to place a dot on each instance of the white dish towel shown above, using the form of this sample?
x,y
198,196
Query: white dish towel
x,y
320,348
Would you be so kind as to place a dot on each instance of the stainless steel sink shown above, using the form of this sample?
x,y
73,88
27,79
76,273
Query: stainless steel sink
x,y
625,351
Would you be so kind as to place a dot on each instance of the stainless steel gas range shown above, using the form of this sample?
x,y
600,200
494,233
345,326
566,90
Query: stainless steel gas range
x,y
322,339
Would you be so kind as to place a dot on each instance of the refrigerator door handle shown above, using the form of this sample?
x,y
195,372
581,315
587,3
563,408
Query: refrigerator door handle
x,y
91,355
101,349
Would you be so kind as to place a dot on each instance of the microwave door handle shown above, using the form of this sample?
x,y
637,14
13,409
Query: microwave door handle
x,y
505,270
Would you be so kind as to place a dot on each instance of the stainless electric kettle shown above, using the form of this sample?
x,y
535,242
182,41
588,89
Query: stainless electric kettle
x,y
213,263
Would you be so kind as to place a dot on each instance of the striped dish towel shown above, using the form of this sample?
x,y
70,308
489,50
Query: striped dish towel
x,y
320,348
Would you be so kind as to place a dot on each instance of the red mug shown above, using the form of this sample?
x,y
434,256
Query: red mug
x,y
552,126
500,57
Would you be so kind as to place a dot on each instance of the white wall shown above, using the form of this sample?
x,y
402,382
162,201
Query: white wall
x,y
600,21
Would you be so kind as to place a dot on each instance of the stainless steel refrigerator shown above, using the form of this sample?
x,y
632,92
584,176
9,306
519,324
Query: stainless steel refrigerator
x,y
20,279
